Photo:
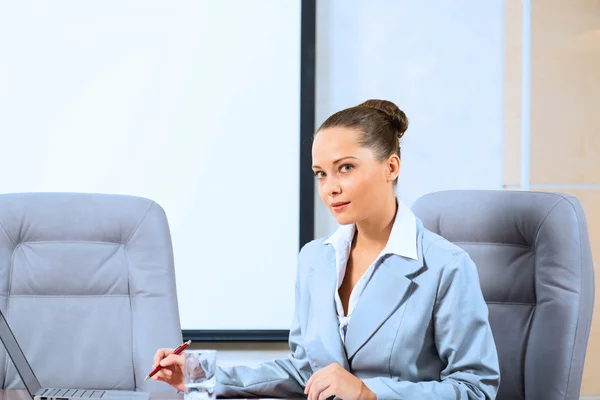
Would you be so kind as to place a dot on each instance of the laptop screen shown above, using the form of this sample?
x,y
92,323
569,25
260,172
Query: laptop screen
x,y
18,358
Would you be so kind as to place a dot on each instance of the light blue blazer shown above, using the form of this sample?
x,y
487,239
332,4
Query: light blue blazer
x,y
419,331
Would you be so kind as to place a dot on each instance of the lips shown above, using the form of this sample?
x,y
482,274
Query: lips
x,y
339,206
340,203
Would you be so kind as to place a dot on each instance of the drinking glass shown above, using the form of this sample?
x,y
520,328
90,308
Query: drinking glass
x,y
199,374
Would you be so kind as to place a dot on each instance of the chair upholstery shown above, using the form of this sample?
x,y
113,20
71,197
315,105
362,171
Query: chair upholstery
x,y
87,285
534,260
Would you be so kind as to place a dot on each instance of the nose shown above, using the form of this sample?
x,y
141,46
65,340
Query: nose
x,y
332,187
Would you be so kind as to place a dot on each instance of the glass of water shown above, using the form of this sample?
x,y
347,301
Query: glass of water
x,y
199,374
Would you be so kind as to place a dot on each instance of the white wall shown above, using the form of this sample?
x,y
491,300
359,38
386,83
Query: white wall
x,y
169,100
442,63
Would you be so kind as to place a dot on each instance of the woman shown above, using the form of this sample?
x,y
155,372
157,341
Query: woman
x,y
384,308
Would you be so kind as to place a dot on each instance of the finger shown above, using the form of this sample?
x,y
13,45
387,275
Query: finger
x,y
308,384
160,376
327,393
317,375
311,381
317,387
171,359
160,354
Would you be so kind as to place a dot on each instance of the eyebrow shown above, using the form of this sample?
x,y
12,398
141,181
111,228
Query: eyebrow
x,y
337,161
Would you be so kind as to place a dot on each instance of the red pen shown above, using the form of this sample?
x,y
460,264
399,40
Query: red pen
x,y
176,351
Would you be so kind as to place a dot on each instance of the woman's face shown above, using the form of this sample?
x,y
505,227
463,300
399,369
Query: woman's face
x,y
352,183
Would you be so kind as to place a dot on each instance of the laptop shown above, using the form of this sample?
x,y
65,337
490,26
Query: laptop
x,y
37,392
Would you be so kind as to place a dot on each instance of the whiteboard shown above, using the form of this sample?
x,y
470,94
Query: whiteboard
x,y
193,104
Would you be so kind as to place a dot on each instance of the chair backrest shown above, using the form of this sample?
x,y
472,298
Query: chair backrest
x,y
533,255
87,285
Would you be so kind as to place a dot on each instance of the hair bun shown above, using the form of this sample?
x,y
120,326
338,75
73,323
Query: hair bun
x,y
395,115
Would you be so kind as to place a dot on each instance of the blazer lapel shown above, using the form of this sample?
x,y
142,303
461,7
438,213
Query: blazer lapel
x,y
381,297
322,283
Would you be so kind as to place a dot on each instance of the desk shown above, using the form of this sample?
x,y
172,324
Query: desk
x,y
23,395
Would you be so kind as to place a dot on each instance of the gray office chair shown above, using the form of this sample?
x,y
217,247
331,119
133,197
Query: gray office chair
x,y
533,255
87,285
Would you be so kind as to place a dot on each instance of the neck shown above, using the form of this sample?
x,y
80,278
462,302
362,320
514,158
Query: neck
x,y
375,230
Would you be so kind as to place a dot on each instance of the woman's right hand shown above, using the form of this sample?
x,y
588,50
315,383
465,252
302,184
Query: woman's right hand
x,y
172,368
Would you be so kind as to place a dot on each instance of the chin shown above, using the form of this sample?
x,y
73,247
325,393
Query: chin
x,y
343,219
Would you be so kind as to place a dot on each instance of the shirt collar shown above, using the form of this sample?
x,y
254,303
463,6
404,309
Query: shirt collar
x,y
402,240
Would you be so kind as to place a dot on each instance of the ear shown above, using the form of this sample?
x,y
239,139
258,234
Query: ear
x,y
393,167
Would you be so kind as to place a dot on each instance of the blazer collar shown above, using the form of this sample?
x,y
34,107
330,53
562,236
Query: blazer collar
x,y
388,288
402,240
322,286
384,293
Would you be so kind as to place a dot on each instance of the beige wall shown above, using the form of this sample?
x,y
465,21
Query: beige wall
x,y
565,118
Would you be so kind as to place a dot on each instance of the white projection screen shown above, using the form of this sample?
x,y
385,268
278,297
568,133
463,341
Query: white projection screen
x,y
195,104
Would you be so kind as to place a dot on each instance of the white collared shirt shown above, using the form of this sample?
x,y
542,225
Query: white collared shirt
x,y
402,242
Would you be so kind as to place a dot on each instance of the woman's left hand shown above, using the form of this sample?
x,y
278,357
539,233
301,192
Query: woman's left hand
x,y
334,380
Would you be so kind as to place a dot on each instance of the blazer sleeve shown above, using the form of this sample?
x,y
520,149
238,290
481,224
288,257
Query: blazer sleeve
x,y
285,377
464,342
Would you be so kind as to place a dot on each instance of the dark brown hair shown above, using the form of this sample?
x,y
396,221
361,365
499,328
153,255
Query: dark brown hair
x,y
380,122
